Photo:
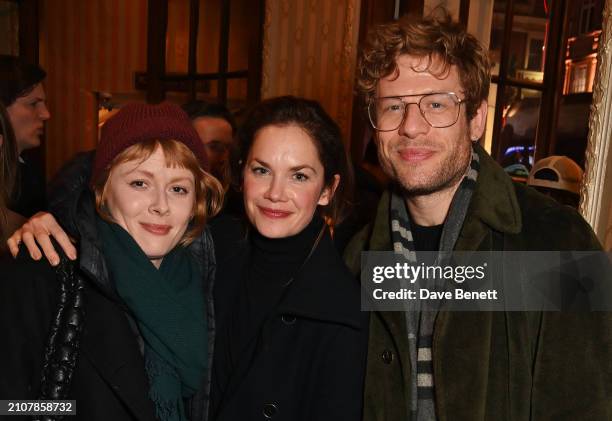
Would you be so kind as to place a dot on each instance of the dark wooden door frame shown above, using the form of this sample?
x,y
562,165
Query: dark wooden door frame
x,y
157,28
551,87
192,67
255,59
373,12
554,68
28,30
464,12
157,82
367,19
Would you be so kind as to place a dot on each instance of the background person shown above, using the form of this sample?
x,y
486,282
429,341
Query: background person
x,y
22,93
133,327
9,220
558,177
216,126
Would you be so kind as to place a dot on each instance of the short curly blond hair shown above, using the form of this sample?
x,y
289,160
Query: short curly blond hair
x,y
436,38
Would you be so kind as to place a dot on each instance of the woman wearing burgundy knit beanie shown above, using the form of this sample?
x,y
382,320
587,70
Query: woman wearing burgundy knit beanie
x,y
125,330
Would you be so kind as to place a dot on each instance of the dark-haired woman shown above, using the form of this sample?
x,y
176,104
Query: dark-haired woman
x,y
9,220
23,95
292,339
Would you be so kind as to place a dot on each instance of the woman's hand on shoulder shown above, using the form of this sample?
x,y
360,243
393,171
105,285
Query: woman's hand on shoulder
x,y
36,234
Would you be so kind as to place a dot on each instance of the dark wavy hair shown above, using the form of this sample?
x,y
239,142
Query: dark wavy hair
x,y
321,128
434,37
8,159
17,78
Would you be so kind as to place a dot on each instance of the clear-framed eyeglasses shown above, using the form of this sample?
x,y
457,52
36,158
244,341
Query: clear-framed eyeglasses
x,y
439,109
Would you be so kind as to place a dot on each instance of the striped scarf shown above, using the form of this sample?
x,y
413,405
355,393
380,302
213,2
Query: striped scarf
x,y
420,316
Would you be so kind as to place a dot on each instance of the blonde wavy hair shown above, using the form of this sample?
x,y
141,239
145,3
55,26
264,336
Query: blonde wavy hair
x,y
435,38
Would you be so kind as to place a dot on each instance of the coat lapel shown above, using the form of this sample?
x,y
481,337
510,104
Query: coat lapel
x,y
464,341
111,346
309,296
395,321
331,295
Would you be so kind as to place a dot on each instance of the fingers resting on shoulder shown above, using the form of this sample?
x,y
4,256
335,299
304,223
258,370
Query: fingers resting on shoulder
x,y
36,234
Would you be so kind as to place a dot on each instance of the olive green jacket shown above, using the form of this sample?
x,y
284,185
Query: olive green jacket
x,y
496,365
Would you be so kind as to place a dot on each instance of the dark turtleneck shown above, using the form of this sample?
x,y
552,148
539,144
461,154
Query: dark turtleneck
x,y
270,265
274,261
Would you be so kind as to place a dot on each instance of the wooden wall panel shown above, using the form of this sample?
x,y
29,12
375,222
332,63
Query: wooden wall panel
x,y
93,46
86,47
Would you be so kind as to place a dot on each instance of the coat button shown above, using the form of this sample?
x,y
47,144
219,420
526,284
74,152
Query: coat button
x,y
270,410
287,319
387,356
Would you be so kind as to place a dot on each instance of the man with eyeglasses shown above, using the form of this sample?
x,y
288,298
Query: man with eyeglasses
x,y
426,82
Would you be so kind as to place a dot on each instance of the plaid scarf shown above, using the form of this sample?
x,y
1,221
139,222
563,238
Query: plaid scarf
x,y
420,317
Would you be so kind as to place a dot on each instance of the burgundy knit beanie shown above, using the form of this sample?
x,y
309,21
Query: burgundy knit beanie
x,y
135,123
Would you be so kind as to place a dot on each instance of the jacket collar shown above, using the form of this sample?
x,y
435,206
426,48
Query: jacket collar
x,y
324,289
494,201
494,204
91,259
123,368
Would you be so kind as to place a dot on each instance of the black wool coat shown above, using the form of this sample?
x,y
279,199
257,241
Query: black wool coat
x,y
309,363
110,381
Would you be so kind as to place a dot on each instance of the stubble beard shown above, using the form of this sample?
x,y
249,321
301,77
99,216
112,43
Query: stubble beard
x,y
447,174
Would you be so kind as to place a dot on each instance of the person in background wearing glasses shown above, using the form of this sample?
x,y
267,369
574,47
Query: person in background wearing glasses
x,y
426,83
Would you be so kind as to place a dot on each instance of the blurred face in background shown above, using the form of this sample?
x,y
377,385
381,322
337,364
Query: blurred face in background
x,y
217,136
28,115
284,181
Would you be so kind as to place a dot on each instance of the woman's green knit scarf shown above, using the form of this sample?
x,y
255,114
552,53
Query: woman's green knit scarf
x,y
169,309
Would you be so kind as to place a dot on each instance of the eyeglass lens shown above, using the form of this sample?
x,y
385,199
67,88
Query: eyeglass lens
x,y
438,109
